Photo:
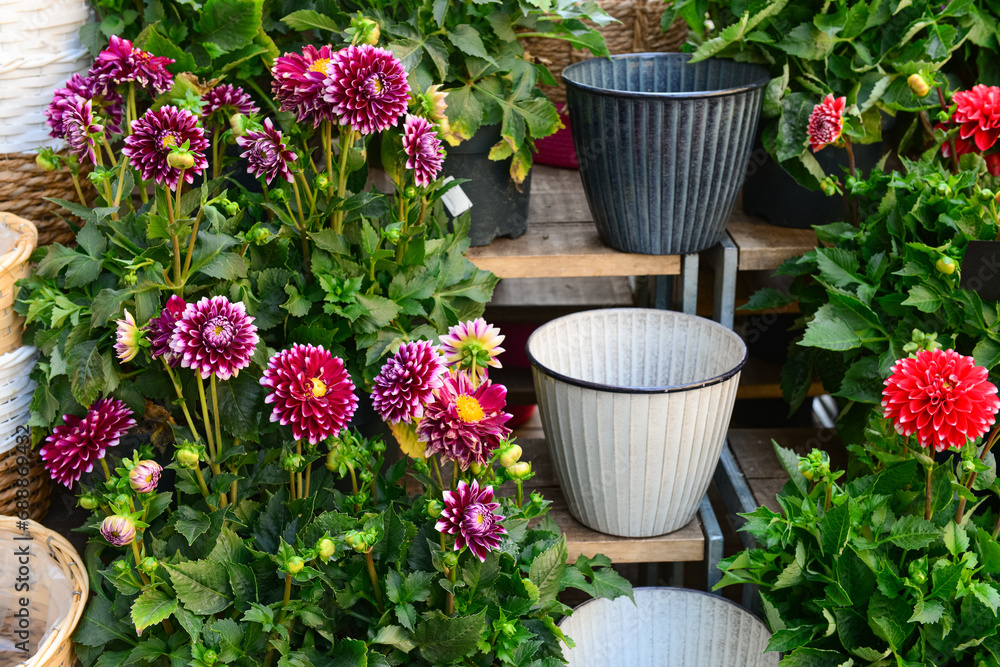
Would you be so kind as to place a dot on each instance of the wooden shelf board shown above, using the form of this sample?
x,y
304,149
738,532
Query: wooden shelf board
x,y
684,545
762,379
763,246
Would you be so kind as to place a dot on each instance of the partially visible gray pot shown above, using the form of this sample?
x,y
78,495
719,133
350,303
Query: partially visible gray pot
x,y
667,626
663,145
635,404
498,207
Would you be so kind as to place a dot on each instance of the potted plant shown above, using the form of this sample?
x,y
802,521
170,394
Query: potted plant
x,y
226,322
898,562
495,113
875,55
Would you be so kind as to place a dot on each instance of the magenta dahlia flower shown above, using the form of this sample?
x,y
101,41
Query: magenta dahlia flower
x,y
472,346
144,476
423,149
121,63
119,531
470,514
215,336
82,130
267,154
299,83
978,113
225,100
826,122
161,330
311,390
407,381
155,134
367,87
128,337
80,442
76,88
465,423
941,396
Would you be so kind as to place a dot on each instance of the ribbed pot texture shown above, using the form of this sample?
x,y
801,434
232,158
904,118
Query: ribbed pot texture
x,y
663,146
635,404
667,626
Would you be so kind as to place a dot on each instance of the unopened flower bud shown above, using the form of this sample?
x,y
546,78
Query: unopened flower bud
x,y
118,530
45,162
295,565
945,265
231,208
366,31
356,541
89,502
130,278
968,466
434,508
476,468
510,456
333,461
322,181
520,470
239,124
209,657
149,565
325,548
918,84
293,462
119,566
409,192
828,186
144,476
180,160
188,457
450,559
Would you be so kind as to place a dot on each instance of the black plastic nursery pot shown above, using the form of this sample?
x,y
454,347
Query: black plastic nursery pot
x,y
663,145
498,207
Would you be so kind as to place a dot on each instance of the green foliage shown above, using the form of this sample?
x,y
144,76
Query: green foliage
x,y
858,574
861,50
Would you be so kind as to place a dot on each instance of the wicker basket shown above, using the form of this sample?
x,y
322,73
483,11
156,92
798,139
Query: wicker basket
x,y
41,26
48,550
638,32
13,267
23,188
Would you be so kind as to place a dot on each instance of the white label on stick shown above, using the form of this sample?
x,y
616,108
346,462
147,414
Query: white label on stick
x,y
455,200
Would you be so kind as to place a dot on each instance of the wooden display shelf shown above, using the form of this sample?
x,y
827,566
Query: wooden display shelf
x,y
684,545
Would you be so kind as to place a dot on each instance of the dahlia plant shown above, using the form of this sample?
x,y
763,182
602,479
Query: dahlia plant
x,y
897,563
207,351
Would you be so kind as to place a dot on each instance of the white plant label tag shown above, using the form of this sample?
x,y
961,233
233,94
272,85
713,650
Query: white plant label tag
x,y
455,200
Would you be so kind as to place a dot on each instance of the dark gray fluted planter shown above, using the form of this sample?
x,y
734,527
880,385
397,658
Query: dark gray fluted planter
x,y
663,145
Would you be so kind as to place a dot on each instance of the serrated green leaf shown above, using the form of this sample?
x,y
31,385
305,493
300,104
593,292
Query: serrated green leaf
x,y
307,19
229,24
152,607
443,640
202,586
913,532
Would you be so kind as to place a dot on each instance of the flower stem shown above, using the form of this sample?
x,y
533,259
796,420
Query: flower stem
x,y
298,475
972,475
121,182
374,577
437,471
204,487
138,559
216,158
328,152
930,488
180,398
449,604
345,150
107,471
131,111
951,141
309,470
291,484
79,190
850,203
194,238
204,418
454,475
520,493
171,219
215,412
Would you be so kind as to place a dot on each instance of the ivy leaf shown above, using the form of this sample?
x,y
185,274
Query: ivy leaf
x,y
443,640
229,24
152,607
202,586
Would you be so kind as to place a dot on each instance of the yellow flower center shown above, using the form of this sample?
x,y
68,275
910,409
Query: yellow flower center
x,y
169,141
469,409
319,388
480,519
320,65
218,330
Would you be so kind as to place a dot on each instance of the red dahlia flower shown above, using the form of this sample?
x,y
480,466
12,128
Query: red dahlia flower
x,y
465,423
423,149
267,154
470,515
215,336
407,381
161,329
122,63
826,122
978,112
367,87
299,83
311,390
153,137
941,396
80,442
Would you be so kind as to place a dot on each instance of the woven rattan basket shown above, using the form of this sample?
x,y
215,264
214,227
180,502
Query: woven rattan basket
x,y
638,32
48,550
23,189
13,267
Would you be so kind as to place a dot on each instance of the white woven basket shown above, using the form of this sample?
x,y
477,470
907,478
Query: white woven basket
x,y
16,390
26,86
41,26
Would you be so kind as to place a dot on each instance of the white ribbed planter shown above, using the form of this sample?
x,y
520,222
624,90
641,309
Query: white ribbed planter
x,y
16,391
635,404
41,26
667,626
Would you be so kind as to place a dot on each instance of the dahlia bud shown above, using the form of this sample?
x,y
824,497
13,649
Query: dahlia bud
x,y
230,207
333,461
829,186
188,456
45,162
918,570
322,182
365,31
118,530
805,467
144,476
325,548
918,85
378,446
89,502
239,124
356,540
392,234
510,456
130,278
508,629
293,462
259,234
985,194
945,265
450,559
149,565
409,192
968,466
520,471
434,508
180,160
278,196
434,105
295,565
476,468
119,566
209,657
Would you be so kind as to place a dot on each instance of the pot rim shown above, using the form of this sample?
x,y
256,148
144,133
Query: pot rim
x,y
700,94
621,389
685,591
